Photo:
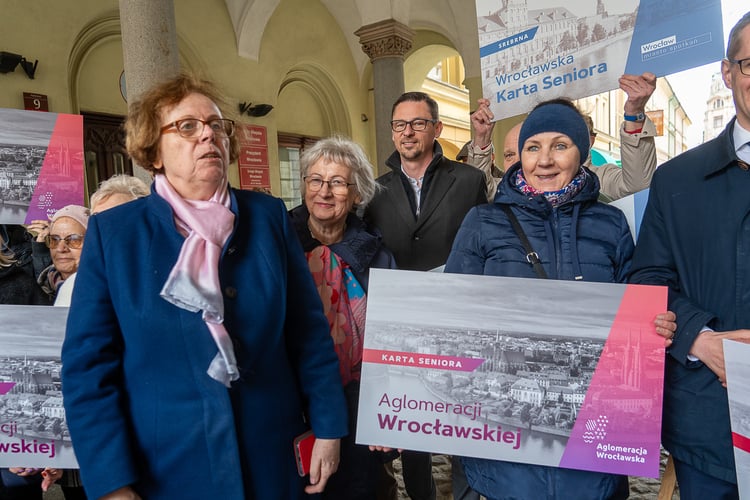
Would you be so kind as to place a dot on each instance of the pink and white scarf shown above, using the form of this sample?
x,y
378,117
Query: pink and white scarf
x,y
193,284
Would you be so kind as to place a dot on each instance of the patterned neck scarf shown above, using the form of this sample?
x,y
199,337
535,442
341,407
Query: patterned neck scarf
x,y
193,284
555,198
344,304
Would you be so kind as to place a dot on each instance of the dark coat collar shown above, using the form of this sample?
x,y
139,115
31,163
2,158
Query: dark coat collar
x,y
358,248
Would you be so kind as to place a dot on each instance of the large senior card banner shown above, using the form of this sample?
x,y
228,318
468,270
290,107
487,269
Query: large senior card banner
x,y
557,373
41,164
737,363
534,50
33,430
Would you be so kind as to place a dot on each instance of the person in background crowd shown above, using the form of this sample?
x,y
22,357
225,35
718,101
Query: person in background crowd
x,y
64,238
32,256
637,146
65,235
423,201
337,180
694,238
553,197
16,285
194,312
112,192
117,190
480,153
19,288
510,146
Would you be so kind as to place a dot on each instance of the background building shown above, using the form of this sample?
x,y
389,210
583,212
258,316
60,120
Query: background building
x,y
719,108
319,67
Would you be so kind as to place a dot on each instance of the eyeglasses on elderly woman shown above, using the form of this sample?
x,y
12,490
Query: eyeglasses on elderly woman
x,y
74,241
190,128
336,186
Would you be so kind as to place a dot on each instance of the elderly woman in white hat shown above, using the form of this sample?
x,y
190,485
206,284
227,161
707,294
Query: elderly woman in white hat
x,y
67,230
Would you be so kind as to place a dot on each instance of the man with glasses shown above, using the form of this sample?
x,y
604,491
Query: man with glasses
x,y
419,211
695,238
426,195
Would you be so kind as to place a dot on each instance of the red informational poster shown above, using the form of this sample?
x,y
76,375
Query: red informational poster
x,y
253,160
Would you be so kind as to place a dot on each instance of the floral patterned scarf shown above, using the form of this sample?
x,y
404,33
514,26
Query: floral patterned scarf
x,y
555,198
344,304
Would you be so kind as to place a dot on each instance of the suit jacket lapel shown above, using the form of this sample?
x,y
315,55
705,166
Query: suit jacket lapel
x,y
397,196
439,186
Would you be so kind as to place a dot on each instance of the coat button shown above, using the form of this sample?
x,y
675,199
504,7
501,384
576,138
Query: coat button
x,y
416,237
231,250
230,292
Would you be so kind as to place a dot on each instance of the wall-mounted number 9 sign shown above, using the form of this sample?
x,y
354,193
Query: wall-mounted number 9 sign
x,y
35,102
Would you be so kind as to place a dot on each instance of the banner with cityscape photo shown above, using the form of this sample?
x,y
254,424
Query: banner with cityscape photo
x,y
557,373
33,430
41,164
535,50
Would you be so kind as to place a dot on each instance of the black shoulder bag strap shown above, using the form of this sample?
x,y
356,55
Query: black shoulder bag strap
x,y
531,256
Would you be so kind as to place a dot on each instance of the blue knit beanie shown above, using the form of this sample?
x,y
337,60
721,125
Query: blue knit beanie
x,y
555,117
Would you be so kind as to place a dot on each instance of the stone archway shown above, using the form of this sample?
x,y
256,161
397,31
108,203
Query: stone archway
x,y
322,90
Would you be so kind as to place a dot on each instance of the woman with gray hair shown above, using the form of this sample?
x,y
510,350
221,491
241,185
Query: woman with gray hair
x,y
117,190
340,248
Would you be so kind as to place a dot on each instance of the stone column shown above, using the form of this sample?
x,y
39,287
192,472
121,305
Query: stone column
x,y
149,46
385,43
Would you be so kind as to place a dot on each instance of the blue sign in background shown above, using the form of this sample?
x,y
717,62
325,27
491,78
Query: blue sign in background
x,y
697,30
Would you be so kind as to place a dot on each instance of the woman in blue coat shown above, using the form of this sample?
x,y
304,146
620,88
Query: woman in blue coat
x,y
554,199
196,343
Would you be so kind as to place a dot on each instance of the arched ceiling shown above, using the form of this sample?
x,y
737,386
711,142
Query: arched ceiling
x,y
454,19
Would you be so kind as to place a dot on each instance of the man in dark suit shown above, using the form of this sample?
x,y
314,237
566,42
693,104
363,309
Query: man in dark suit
x,y
694,238
419,211
426,195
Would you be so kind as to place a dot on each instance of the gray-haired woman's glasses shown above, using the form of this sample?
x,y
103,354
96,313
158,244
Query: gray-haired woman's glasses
x,y
336,186
190,128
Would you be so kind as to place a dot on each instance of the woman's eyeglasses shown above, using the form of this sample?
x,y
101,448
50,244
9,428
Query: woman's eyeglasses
x,y
74,241
336,186
190,128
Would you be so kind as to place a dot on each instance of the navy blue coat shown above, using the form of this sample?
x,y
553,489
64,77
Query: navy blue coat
x,y
141,408
580,239
695,238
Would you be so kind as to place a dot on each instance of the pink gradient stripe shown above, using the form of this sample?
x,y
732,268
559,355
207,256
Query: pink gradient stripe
x,y
60,181
628,381
5,387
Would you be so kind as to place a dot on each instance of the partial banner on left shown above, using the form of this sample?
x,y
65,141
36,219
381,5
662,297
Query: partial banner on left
x,y
41,164
33,429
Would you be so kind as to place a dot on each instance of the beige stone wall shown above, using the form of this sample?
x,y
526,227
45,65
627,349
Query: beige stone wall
x,y
305,70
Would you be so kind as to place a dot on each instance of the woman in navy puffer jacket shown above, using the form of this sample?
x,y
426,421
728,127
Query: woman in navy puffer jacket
x,y
576,238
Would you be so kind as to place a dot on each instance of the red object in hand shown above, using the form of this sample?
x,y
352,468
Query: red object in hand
x,y
303,446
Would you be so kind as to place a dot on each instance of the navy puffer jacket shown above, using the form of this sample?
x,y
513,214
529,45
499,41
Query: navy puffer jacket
x,y
581,239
